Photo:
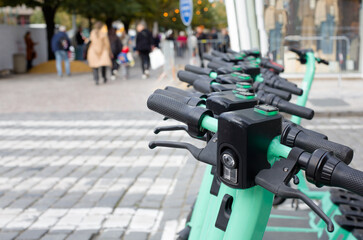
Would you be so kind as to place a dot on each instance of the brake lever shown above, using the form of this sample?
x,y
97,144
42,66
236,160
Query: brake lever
x,y
176,128
170,128
208,154
276,179
323,61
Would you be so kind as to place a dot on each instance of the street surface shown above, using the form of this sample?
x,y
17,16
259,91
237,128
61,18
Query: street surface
x,y
75,162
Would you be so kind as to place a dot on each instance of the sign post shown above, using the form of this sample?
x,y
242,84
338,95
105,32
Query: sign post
x,y
186,11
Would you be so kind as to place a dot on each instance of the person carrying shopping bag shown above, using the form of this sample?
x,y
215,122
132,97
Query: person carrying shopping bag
x,y
99,52
144,45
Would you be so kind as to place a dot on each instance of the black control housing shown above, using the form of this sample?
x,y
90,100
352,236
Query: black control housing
x,y
226,101
245,136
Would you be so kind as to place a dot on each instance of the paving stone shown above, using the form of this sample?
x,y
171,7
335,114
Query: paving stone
x,y
82,234
143,220
110,234
31,234
136,236
8,235
54,237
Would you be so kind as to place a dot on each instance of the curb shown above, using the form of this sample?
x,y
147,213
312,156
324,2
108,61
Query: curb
x,y
339,114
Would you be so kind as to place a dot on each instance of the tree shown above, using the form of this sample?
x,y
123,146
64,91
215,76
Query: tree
x,y
167,13
107,11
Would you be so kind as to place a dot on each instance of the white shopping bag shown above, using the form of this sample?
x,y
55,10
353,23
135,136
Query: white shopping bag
x,y
157,58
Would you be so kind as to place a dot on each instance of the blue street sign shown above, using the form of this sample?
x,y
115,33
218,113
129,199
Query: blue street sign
x,y
186,11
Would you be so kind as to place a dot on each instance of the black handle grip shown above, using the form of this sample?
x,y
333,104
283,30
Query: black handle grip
x,y
294,109
231,51
187,77
310,144
214,65
289,87
297,51
181,92
174,95
285,106
192,101
198,70
182,112
203,86
217,53
266,63
348,178
324,62
287,124
169,107
221,62
185,92
283,94
208,57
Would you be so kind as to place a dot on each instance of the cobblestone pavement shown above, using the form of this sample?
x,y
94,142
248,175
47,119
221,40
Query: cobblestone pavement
x,y
82,176
92,176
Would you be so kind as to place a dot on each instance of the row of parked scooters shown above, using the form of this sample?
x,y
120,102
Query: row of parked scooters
x,y
255,152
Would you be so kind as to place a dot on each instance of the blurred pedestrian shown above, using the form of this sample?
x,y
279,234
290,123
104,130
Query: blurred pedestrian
x,y
31,54
156,40
99,52
125,60
79,44
60,47
181,43
225,40
144,45
201,46
170,35
193,44
213,36
116,47
193,47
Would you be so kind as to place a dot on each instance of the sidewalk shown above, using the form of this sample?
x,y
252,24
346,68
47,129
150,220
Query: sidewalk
x,y
328,98
47,93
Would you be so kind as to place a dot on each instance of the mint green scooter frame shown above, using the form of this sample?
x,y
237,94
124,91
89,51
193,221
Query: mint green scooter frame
x,y
328,207
252,224
306,84
255,203
207,205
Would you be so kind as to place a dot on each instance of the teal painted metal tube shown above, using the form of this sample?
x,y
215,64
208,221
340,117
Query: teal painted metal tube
x,y
306,84
209,123
213,75
287,217
259,78
209,231
215,83
289,229
202,105
276,150
301,101
250,212
204,197
201,205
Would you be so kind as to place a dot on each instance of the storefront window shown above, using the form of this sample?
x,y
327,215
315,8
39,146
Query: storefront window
x,y
329,27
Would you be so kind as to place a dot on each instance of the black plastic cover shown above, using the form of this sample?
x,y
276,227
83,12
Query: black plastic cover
x,y
227,101
248,134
